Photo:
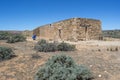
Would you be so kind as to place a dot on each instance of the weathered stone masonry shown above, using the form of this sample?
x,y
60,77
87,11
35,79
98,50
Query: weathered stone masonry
x,y
73,29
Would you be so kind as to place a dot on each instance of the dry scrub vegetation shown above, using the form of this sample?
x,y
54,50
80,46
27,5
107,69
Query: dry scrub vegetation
x,y
101,57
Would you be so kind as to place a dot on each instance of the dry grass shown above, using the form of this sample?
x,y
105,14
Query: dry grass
x,y
104,64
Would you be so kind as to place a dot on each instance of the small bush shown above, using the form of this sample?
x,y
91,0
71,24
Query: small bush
x,y
99,50
65,47
5,53
44,46
35,56
40,48
51,47
16,38
107,49
4,35
42,41
113,49
116,49
62,67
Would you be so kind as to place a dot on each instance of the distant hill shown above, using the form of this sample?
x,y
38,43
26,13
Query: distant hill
x,y
111,33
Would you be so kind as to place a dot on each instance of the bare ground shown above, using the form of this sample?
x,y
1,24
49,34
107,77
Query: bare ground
x,y
100,56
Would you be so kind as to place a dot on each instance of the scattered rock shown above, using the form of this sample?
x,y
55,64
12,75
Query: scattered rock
x,y
99,75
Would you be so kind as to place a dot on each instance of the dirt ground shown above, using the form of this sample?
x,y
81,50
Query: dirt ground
x,y
101,57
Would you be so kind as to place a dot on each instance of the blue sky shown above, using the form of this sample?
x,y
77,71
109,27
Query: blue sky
x,y
29,14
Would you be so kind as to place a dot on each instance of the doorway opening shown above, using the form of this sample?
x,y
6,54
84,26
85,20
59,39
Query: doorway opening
x,y
60,30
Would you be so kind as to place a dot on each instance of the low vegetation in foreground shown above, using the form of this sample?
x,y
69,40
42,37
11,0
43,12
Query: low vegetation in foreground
x,y
62,67
5,53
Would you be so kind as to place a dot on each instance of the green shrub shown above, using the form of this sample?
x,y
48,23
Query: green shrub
x,y
44,46
51,47
111,33
42,41
16,38
5,53
65,47
4,35
63,67
35,56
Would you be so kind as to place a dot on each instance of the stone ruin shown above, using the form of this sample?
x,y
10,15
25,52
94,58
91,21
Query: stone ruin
x,y
74,29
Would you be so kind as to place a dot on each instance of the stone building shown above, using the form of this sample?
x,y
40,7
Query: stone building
x,y
73,29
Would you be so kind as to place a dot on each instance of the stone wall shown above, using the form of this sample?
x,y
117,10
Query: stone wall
x,y
73,29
